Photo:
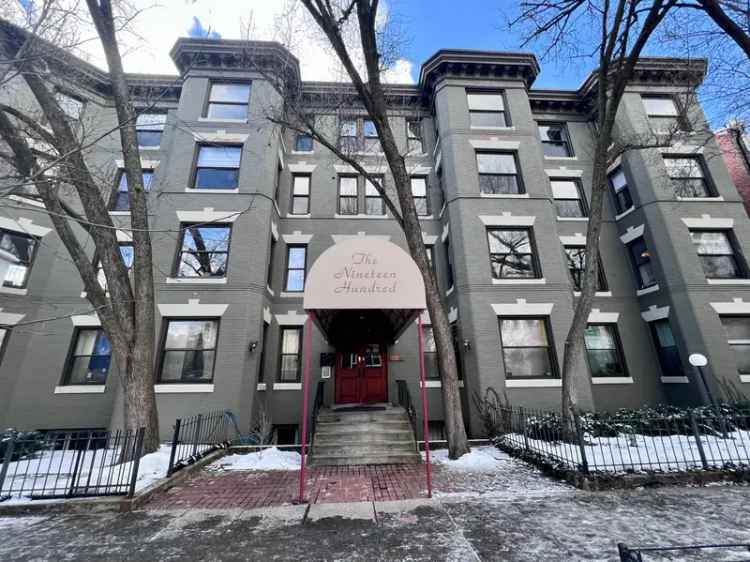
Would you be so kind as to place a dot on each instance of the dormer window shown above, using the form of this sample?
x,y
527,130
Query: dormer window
x,y
228,101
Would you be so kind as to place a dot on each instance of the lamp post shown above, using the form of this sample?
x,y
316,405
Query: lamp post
x,y
698,360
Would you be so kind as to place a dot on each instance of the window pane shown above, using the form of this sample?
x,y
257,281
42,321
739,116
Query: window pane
x,y
722,267
297,257
212,178
737,327
485,101
487,119
565,189
527,362
300,205
86,342
659,106
742,357
605,363
227,111
149,138
498,184
523,332
553,133
150,121
491,163
414,129
618,180
206,238
88,370
191,334
508,241
664,335
349,128
599,337
370,190
713,243
419,187
219,156
348,186
374,206
290,341
555,149
289,368
237,93
348,205
187,366
369,129
683,167
301,185
295,280
202,264
568,208
303,143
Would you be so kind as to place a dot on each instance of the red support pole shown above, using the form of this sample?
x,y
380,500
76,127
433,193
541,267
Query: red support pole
x,y
425,419
307,352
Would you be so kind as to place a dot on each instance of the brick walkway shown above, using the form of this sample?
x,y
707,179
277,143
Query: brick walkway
x,y
328,484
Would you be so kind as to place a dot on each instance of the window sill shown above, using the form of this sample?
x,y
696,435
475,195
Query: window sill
x,y
675,380
196,280
417,154
647,290
80,389
719,198
612,380
504,195
149,148
540,281
300,216
292,294
744,378
261,386
270,290
437,384
449,291
302,152
194,388
203,190
596,294
287,386
624,214
478,128
119,213
533,383
212,120
572,219
14,291
728,281
561,158
361,216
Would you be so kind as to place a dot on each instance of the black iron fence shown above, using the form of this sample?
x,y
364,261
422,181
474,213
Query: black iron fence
x,y
738,552
405,401
69,464
317,405
197,436
704,440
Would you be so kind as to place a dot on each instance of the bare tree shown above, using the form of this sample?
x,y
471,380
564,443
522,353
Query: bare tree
x,y
352,29
623,28
64,180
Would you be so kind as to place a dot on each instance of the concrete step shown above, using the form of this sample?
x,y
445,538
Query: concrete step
x,y
344,436
398,458
364,449
362,427
349,417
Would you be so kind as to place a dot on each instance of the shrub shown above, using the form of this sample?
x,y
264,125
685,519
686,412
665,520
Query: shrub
x,y
27,443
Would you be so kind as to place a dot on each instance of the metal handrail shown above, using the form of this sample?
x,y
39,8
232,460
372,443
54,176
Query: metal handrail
x,y
317,405
405,401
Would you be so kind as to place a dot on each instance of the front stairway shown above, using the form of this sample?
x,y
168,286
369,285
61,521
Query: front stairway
x,y
347,436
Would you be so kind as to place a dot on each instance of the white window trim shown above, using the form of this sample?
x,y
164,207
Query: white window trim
x,y
504,195
633,233
14,291
80,389
429,239
123,236
596,316
563,173
360,235
596,293
10,319
24,226
291,318
452,314
578,239
655,313
297,238
26,201
437,384
91,320
176,388
193,309
744,378
218,120
523,308
737,306
364,216
266,315
564,158
533,383
446,232
261,386
300,216
738,281
701,199
196,280
491,128
675,380
220,136
302,168
274,231
511,281
572,219
208,215
612,380
647,290
291,294
706,221
494,144
215,191
145,164
119,213
625,213
287,386
449,292
507,219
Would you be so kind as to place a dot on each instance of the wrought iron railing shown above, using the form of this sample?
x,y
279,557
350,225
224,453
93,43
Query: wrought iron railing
x,y
317,405
197,436
69,464
703,440
405,401
715,551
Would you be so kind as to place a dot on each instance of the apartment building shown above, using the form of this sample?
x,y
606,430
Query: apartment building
x,y
501,174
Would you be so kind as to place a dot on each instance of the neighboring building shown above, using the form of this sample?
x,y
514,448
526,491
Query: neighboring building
x,y
501,174
735,148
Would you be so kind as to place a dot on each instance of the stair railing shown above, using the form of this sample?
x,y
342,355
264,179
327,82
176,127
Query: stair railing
x,y
317,405
405,401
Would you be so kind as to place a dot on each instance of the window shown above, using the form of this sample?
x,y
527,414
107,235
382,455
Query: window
x,y
372,143
204,251
23,247
576,256
296,261
717,254
486,109
126,251
122,201
348,204
512,254
456,339
430,258
449,258
687,176
149,127
527,350
569,200
277,182
414,136
348,135
303,142
374,204
498,173
662,113
218,167
291,351
419,194
263,353
619,184
738,333
604,351
189,351
555,141
271,256
300,195
89,358
641,259
666,349
228,101
430,354
70,106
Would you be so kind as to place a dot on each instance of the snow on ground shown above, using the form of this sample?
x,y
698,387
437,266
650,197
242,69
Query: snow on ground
x,y
153,467
480,459
267,459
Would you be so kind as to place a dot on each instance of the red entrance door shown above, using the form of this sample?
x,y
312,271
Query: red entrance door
x,y
362,375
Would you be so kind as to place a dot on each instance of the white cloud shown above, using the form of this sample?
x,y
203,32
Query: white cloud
x,y
399,73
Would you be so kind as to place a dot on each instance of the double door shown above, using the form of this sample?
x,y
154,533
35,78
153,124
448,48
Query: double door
x,y
362,375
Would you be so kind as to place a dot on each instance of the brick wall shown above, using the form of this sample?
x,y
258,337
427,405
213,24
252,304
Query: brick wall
x,y
736,158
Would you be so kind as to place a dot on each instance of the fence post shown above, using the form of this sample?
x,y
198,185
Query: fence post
x,y
175,441
6,461
138,451
696,434
581,444
522,413
198,421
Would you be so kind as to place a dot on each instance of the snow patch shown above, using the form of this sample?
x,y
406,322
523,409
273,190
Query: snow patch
x,y
153,467
479,459
267,459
